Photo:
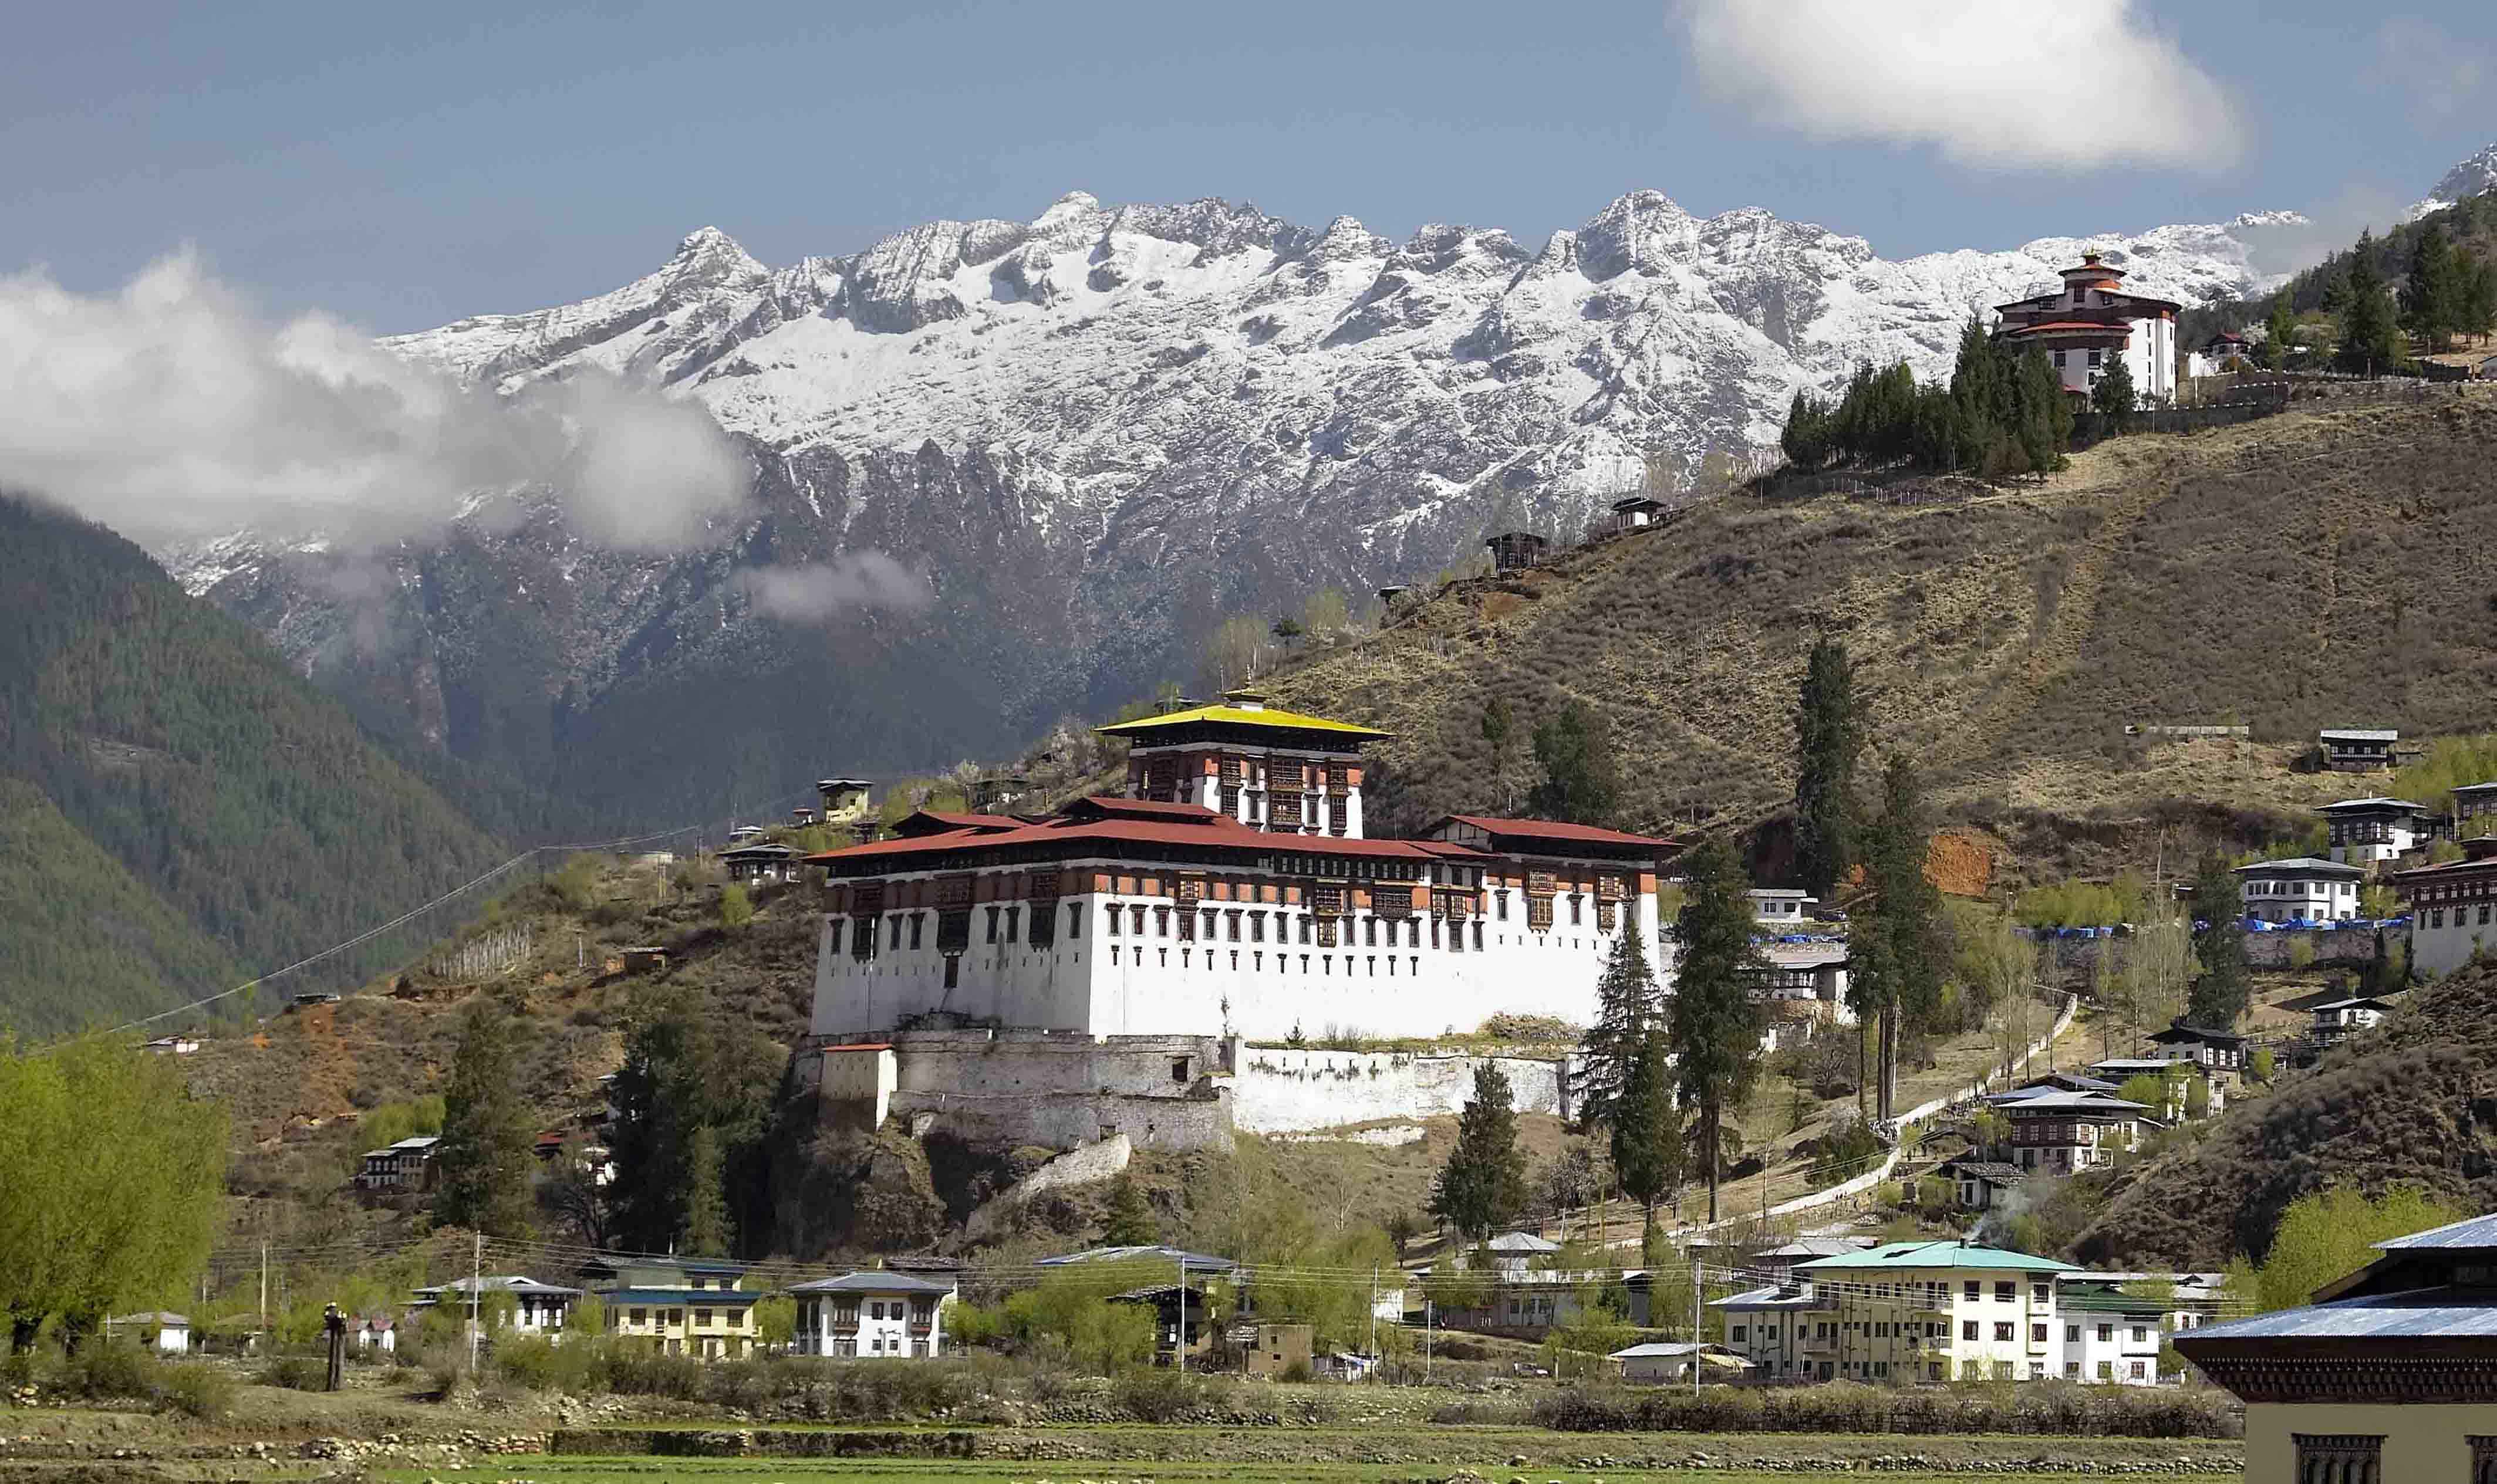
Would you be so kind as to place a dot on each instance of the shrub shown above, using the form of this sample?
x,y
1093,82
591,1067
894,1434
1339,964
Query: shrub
x,y
2060,1408
1160,1396
196,1389
105,1372
296,1373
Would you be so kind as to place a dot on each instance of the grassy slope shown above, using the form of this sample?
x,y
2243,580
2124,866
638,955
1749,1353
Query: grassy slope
x,y
77,919
2415,1100
2268,574
176,742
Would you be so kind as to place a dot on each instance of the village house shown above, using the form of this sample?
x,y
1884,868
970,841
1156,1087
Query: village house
x,y
172,1046
166,1333
1976,1183
2390,1374
2301,889
1234,895
1781,908
375,1332
2368,832
2110,1334
678,1306
759,861
1276,1351
1634,512
2337,1020
2090,323
870,1315
1662,1362
2066,1131
1516,550
538,1308
2357,749
1810,974
403,1167
1932,1311
2472,801
2221,1054
2449,907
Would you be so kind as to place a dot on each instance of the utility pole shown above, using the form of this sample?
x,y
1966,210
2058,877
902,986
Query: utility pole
x,y
263,1296
1374,1317
476,1294
1694,1319
1179,1348
1430,1317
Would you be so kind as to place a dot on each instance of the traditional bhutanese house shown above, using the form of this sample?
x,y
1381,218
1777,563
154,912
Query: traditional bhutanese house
x,y
2337,1020
1270,769
1637,511
1780,907
758,862
1000,794
2069,1131
538,1308
2111,1336
2220,1054
1979,1184
845,804
2089,323
2301,889
2226,346
406,1166
2472,801
2449,907
676,1305
167,1334
2357,749
2392,1374
1808,974
2367,831
1516,550
871,1315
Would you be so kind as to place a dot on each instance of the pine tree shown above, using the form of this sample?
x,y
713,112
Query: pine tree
x,y
1131,1221
1647,1142
2280,334
1581,777
2432,297
1500,729
1482,1187
1628,1008
1829,736
1713,1027
1896,952
2480,300
489,1150
2113,395
2369,343
2219,996
705,1231
1805,439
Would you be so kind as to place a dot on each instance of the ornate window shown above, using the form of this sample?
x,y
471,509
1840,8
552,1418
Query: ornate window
x,y
2346,1458
2483,1459
953,930
1538,911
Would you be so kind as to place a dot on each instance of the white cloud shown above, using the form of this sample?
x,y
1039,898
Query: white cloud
x,y
2060,84
813,593
168,410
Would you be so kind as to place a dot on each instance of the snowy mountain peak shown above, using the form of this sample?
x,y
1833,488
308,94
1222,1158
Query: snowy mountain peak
x,y
2468,177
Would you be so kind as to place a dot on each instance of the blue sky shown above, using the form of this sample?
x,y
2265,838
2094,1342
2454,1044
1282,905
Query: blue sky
x,y
405,165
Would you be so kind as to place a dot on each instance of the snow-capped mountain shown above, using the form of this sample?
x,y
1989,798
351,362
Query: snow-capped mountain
x,y
2471,177
1098,432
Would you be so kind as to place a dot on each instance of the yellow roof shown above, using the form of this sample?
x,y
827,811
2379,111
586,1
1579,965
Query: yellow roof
x,y
1240,715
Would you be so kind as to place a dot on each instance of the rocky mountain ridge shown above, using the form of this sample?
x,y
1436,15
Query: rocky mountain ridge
x,y
1093,435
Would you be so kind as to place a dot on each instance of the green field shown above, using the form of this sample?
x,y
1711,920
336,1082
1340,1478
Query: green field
x,y
620,1470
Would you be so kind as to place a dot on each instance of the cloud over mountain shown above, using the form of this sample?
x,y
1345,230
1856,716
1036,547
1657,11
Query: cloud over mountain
x,y
2061,84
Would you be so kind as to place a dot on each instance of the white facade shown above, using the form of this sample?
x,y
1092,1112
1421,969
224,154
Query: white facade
x,y
539,1308
1781,908
1254,969
872,1316
2450,909
2368,832
2107,1345
2301,889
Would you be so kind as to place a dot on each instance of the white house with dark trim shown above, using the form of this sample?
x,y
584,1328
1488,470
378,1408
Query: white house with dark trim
x,y
2301,889
2368,832
871,1315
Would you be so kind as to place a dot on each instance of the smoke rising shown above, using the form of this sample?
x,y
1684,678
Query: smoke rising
x,y
168,410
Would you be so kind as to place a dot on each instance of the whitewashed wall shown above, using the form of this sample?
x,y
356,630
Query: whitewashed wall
x,y
1283,1090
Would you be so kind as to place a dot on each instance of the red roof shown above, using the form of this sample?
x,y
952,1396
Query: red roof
x,y
1553,831
919,822
1110,804
1202,830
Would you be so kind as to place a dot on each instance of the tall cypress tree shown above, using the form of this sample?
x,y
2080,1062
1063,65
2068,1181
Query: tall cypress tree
x,y
2219,996
1628,1006
1582,779
1829,737
1482,1187
1646,1128
2432,297
2280,332
706,1232
1713,1027
2113,397
2369,338
489,1150
1896,957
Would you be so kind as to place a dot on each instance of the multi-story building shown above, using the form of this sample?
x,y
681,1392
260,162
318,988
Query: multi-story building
x,y
2449,907
2110,1334
2357,749
1930,1310
2221,1054
2369,832
680,1305
1124,917
871,1315
2474,810
2067,1131
406,1166
2300,888
539,1308
2090,323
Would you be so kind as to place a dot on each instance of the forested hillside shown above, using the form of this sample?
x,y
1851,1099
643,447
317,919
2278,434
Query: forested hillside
x,y
2276,574
161,751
